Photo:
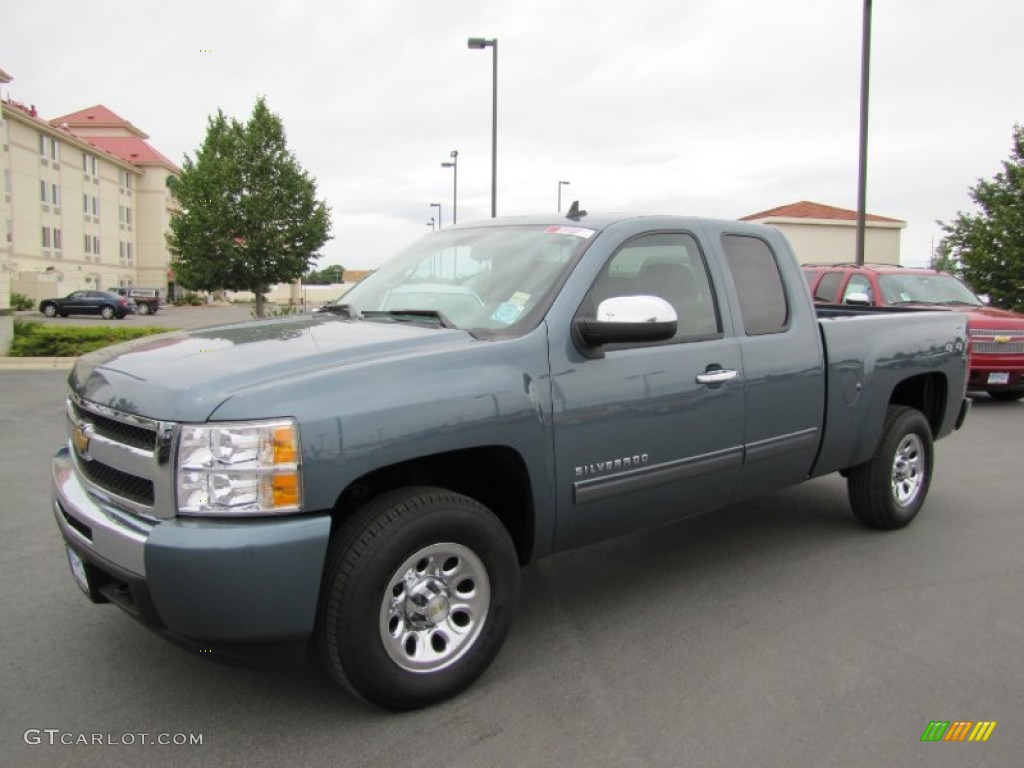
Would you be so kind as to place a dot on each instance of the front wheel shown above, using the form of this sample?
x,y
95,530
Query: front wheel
x,y
418,597
50,310
889,490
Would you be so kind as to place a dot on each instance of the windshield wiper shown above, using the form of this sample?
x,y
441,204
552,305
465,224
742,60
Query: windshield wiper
x,y
410,316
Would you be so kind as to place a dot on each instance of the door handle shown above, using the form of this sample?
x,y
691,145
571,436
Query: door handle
x,y
717,376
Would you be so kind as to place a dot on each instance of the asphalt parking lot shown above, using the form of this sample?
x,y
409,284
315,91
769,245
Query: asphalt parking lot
x,y
776,632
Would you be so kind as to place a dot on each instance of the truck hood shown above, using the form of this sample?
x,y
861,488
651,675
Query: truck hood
x,y
994,318
184,376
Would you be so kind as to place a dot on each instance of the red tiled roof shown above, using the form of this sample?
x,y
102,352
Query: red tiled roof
x,y
130,148
808,210
100,116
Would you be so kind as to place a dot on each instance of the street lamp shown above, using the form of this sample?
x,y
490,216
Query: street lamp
x,y
560,194
438,206
479,43
454,165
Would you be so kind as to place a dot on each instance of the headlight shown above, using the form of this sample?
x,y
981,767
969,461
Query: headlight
x,y
239,469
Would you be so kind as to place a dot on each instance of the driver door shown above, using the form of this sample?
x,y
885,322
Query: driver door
x,y
648,433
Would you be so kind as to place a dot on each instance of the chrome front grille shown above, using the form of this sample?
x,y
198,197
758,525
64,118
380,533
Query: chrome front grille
x,y
123,459
998,347
118,431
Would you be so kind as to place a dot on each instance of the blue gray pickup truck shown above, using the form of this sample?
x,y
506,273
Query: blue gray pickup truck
x,y
367,481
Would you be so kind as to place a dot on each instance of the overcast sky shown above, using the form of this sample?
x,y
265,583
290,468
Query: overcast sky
x,y
705,107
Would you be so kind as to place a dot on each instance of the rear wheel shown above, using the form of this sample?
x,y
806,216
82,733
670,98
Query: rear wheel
x,y
418,597
889,490
143,309
107,312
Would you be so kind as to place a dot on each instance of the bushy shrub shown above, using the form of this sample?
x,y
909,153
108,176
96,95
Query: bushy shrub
x,y
33,339
20,301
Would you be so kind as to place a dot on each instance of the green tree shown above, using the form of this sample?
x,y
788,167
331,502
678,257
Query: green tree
x,y
943,260
989,246
332,273
249,214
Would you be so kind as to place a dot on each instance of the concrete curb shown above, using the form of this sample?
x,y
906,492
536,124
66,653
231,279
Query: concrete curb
x,y
37,363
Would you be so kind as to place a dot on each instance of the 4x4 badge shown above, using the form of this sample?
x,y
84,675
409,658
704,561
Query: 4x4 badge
x,y
80,436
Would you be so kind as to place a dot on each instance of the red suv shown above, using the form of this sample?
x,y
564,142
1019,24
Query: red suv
x,y
997,335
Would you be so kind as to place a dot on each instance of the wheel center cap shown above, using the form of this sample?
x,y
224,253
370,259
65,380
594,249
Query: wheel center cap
x,y
436,610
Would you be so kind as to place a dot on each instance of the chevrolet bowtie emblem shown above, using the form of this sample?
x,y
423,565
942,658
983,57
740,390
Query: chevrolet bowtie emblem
x,y
80,436
1002,339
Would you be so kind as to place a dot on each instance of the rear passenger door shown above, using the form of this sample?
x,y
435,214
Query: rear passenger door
x,y
784,390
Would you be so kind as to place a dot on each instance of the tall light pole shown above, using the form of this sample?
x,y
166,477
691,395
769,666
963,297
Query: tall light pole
x,y
862,170
438,206
454,165
479,42
560,184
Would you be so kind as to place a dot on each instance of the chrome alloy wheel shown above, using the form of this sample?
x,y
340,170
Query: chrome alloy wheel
x,y
908,469
434,607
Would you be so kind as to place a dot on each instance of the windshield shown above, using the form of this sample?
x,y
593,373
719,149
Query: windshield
x,y
926,289
490,280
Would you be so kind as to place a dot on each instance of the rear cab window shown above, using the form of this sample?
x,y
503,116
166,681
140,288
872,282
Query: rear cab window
x,y
764,307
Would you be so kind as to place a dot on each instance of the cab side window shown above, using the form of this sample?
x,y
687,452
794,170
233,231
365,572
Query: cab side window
x,y
826,290
758,282
858,284
667,265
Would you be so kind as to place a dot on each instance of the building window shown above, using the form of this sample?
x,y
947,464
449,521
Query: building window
x,y
85,162
128,183
128,216
42,191
56,239
54,194
46,237
92,159
7,181
96,245
88,244
54,150
42,145
95,206
85,204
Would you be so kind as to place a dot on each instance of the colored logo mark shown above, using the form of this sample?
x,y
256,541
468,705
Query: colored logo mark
x,y
958,730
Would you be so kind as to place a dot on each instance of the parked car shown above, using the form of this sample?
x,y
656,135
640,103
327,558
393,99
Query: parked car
x,y
147,299
369,479
103,303
997,335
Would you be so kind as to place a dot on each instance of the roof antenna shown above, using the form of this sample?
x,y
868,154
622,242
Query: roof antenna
x,y
574,211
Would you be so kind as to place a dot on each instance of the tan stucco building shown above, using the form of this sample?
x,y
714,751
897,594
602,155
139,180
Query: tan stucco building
x,y
824,234
85,203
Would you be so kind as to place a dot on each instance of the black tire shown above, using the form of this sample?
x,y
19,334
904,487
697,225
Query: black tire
x,y
1007,396
888,491
143,309
107,312
418,596
50,310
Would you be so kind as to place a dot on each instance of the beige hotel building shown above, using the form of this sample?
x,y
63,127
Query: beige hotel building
x,y
84,205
